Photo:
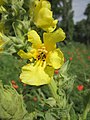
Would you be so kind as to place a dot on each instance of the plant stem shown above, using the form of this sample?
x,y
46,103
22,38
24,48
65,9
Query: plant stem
x,y
53,88
87,109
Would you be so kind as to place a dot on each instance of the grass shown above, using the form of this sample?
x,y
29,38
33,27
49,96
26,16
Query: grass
x,y
79,57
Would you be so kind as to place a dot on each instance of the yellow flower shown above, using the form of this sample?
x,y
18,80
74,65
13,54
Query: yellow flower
x,y
1,42
44,58
42,15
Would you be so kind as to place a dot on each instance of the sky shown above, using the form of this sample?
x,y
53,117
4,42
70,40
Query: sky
x,y
79,7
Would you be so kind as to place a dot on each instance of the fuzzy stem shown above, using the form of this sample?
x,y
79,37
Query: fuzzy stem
x,y
87,109
53,88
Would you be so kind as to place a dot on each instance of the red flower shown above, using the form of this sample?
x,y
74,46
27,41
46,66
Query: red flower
x,y
88,57
56,71
80,87
70,58
13,82
15,86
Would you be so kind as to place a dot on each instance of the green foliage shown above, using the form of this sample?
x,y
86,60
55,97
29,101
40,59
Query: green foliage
x,y
14,17
9,68
87,13
57,8
12,105
15,23
82,29
39,100
78,54
63,10
61,99
79,58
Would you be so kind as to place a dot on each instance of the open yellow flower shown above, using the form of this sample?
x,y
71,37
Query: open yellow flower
x,y
42,15
45,56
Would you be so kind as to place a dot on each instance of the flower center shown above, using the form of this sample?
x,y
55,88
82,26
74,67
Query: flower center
x,y
42,54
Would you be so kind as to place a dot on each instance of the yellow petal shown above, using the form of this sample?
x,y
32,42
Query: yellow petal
x,y
49,70
42,15
24,55
34,38
45,20
34,75
46,4
50,39
40,4
55,59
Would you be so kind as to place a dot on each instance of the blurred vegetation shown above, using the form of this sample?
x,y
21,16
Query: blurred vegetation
x,y
75,104
63,10
82,28
39,99
79,56
80,31
19,21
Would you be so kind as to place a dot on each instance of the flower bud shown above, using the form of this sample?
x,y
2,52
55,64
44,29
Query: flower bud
x,y
11,104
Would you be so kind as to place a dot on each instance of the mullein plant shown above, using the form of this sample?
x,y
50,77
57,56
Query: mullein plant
x,y
42,55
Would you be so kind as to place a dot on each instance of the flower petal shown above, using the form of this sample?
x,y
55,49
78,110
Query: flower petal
x,y
49,70
34,75
55,59
50,39
45,20
24,55
42,16
34,38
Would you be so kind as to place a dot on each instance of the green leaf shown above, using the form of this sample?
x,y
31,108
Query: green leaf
x,y
11,104
73,115
18,29
48,116
51,101
64,69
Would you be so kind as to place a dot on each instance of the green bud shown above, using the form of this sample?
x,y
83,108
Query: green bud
x,y
11,104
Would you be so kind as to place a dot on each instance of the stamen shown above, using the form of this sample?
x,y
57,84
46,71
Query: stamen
x,y
42,54
45,51
39,50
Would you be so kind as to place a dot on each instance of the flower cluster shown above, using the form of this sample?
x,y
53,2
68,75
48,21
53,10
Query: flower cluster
x,y
44,57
